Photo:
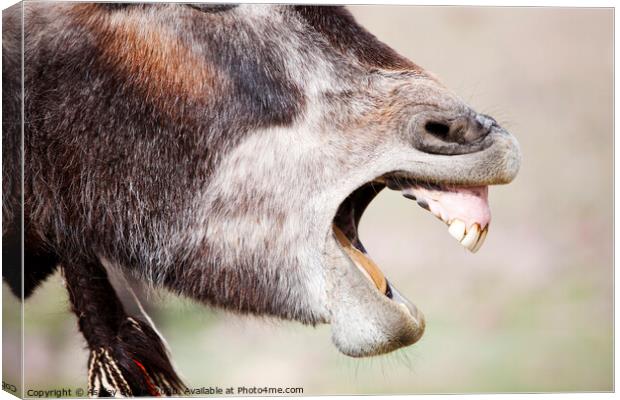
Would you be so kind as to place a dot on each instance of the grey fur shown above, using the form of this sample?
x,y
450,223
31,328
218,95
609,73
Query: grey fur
x,y
224,189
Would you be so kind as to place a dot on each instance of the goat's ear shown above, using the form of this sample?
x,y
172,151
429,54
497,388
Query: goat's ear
x,y
211,7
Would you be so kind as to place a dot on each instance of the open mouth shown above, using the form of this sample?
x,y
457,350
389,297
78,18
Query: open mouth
x,y
465,210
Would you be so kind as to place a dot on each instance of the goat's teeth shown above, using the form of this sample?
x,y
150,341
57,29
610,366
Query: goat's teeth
x,y
483,235
457,229
361,260
471,238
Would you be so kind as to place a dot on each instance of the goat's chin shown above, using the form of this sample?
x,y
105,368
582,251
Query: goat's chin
x,y
364,321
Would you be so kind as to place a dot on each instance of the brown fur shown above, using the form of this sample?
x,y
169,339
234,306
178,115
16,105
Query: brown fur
x,y
139,48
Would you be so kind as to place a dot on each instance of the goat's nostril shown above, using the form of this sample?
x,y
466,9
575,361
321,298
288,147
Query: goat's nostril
x,y
455,130
438,129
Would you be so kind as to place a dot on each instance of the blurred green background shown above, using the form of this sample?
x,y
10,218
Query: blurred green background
x,y
532,311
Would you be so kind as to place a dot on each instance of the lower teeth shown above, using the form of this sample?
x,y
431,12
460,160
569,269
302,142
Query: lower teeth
x,y
362,261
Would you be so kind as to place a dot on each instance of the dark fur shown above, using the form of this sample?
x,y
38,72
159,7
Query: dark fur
x,y
98,126
11,152
112,155
132,343
338,26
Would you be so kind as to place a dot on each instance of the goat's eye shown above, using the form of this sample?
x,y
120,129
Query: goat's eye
x,y
212,8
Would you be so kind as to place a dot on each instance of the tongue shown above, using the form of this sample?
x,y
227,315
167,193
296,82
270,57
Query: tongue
x,y
467,204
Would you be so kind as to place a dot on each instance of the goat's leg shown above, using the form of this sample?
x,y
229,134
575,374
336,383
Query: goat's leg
x,y
127,357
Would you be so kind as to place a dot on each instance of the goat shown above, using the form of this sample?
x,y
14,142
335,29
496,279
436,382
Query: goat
x,y
225,153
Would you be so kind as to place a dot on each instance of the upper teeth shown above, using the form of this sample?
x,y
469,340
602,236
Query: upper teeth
x,y
457,229
471,238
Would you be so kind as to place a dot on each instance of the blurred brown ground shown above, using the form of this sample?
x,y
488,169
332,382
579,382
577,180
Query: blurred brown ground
x,y
532,311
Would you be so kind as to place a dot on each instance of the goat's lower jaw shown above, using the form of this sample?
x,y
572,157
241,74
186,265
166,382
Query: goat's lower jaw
x,y
464,209
372,272
362,261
